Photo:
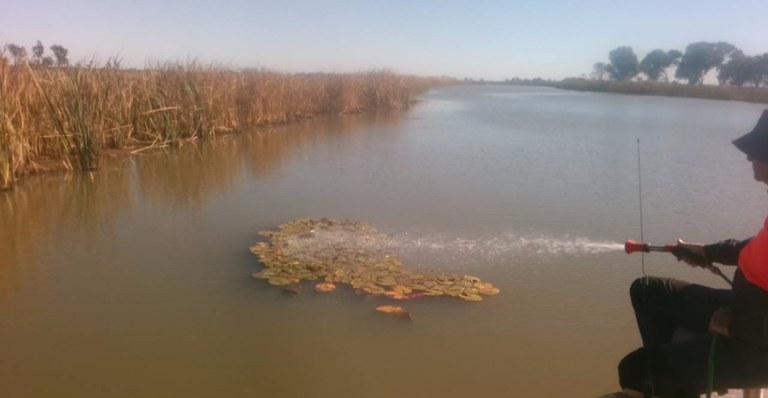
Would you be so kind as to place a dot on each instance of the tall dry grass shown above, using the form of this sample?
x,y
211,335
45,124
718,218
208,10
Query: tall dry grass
x,y
66,117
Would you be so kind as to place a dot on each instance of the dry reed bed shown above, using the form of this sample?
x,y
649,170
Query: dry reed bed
x,y
67,117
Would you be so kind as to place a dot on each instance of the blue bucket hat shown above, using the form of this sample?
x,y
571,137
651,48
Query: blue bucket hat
x,y
755,143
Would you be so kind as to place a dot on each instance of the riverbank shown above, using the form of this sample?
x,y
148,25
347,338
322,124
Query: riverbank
x,y
54,118
746,94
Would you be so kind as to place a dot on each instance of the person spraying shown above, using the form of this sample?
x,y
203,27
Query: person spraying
x,y
736,318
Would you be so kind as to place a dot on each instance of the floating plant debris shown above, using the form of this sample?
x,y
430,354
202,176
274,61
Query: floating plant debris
x,y
393,310
352,253
326,287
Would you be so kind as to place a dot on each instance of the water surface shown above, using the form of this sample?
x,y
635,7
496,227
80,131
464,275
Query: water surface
x,y
135,281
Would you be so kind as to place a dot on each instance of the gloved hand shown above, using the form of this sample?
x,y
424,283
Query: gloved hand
x,y
691,253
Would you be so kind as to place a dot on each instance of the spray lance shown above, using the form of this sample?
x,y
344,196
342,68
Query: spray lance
x,y
678,251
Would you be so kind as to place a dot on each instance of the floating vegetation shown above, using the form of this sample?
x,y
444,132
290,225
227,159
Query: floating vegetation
x,y
326,287
353,253
393,310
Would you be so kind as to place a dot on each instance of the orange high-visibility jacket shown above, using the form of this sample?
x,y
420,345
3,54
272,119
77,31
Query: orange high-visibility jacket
x,y
749,297
753,259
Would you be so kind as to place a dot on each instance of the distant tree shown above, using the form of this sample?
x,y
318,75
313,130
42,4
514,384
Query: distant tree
x,y
61,55
700,58
734,71
655,63
675,55
624,65
37,53
19,53
599,70
47,62
743,69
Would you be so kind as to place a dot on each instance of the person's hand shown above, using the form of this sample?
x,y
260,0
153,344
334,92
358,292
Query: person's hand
x,y
691,253
720,321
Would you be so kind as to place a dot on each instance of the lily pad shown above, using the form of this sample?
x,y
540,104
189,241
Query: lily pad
x,y
486,288
401,289
395,295
279,281
394,310
373,289
326,287
470,297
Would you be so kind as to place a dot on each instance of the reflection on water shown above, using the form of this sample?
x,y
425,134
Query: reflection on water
x,y
46,205
181,177
189,176
135,280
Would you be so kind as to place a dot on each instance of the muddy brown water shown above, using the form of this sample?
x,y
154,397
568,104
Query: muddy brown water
x,y
135,281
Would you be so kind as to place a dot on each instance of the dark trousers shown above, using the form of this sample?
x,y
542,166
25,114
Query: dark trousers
x,y
667,308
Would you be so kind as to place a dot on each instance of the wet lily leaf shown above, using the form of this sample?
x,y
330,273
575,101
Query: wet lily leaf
x,y
325,287
395,295
401,289
397,311
470,296
373,289
279,281
487,289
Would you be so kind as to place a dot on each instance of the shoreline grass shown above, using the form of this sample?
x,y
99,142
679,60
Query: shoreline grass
x,y
727,93
67,117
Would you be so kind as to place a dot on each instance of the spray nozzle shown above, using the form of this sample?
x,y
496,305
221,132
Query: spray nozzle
x,y
631,246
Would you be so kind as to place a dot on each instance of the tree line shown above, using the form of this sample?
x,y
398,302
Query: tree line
x,y
19,55
733,66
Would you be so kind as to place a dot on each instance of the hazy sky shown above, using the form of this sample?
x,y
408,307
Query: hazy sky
x,y
478,39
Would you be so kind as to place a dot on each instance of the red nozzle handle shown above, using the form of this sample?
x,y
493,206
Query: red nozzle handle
x,y
631,246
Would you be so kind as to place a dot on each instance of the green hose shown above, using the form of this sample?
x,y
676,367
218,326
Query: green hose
x,y
711,365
